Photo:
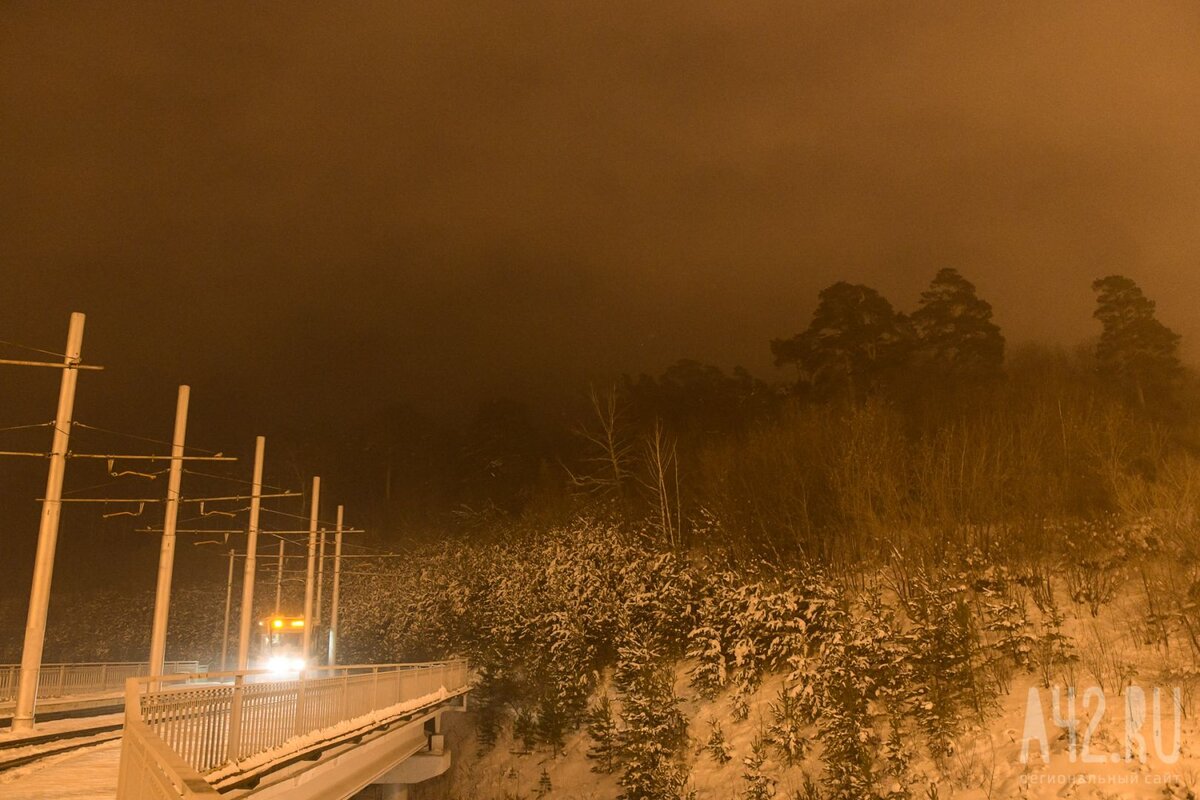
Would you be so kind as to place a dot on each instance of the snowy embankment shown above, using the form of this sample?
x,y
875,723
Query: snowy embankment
x,y
986,766
1026,745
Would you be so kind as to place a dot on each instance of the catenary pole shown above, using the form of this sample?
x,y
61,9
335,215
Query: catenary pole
x,y
166,555
228,607
320,575
243,656
337,585
312,556
279,577
43,565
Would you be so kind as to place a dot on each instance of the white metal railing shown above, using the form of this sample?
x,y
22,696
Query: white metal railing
x,y
183,731
61,680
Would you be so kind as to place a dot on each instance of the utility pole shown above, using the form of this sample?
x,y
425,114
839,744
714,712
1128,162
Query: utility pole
x,y
228,607
166,555
320,574
312,555
43,565
337,581
279,578
243,657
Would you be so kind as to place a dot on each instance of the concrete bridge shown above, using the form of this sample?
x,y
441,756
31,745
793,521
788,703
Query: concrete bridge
x,y
330,733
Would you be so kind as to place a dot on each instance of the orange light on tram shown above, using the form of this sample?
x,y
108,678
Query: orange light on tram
x,y
278,623
297,623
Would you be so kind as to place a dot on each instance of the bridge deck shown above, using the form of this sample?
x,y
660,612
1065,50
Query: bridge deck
x,y
88,774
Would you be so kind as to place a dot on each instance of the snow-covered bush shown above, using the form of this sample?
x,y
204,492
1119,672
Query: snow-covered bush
x,y
758,784
944,654
605,736
716,745
752,627
654,730
858,668
787,729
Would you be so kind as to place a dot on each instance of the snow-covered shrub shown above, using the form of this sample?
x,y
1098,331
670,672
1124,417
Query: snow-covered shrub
x,y
750,627
716,745
1011,643
1053,650
786,731
605,736
758,784
859,666
1095,552
544,786
897,758
654,730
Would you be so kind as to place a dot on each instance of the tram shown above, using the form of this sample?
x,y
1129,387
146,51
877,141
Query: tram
x,y
281,643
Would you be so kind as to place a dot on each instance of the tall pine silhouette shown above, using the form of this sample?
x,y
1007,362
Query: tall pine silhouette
x,y
956,339
854,342
1136,351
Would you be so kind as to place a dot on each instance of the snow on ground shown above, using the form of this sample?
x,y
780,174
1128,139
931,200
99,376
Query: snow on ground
x,y
87,774
60,725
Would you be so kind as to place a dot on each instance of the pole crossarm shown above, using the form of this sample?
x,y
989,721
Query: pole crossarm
x,y
163,500
57,364
119,457
128,457
263,531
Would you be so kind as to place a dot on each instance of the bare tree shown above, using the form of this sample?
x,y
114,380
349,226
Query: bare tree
x,y
610,460
662,481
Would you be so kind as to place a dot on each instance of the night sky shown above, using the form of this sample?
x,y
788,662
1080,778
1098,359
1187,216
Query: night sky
x,y
309,213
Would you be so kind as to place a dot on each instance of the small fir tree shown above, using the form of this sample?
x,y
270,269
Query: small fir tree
x,y
759,785
602,728
716,746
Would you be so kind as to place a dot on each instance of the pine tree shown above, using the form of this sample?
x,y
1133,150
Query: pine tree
x,y
602,728
525,728
1136,351
759,785
716,746
955,336
854,343
544,787
943,659
654,728
898,759
787,728
849,739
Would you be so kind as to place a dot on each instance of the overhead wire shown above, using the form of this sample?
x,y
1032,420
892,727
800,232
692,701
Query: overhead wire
x,y
150,439
26,427
188,471
329,525
20,346
89,488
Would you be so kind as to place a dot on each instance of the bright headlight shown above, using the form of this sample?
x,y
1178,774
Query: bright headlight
x,y
285,664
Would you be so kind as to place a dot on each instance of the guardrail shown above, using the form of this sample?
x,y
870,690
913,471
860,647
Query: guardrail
x,y
61,680
182,731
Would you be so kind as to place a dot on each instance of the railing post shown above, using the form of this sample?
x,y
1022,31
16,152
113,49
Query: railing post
x,y
235,719
62,678
374,687
103,677
299,721
133,711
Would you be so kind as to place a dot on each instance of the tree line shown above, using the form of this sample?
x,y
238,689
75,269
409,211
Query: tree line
x,y
882,420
